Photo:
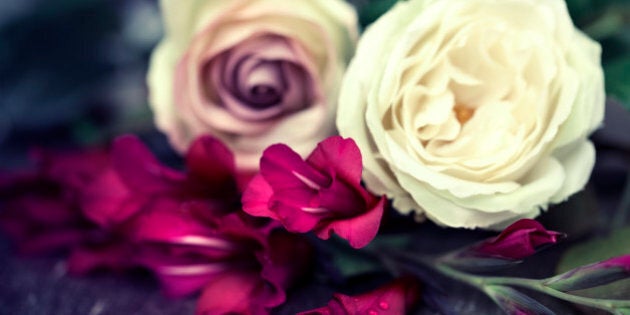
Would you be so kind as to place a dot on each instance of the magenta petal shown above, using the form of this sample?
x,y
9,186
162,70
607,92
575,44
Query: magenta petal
x,y
284,170
139,168
359,230
210,160
108,201
235,293
343,200
340,157
52,241
294,219
117,257
256,198
167,221
48,211
398,297
73,169
182,280
619,261
518,241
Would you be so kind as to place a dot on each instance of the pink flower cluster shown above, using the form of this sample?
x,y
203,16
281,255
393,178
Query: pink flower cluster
x,y
124,209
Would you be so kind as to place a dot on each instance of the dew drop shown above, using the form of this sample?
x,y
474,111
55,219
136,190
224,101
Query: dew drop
x,y
372,312
383,305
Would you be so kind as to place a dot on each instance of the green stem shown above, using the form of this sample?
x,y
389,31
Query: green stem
x,y
482,283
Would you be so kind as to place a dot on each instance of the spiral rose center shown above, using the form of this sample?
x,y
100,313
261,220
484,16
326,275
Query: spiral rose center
x,y
259,79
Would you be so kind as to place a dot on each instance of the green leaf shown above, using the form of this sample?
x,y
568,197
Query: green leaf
x,y
373,10
515,302
584,11
618,290
617,80
616,244
590,276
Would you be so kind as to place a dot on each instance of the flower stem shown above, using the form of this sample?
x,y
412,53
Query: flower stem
x,y
480,282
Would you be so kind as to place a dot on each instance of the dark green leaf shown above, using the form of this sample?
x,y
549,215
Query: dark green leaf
x,y
515,302
618,80
616,244
373,10
587,277
618,290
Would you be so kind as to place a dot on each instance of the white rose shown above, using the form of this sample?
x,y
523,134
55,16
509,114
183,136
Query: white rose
x,y
474,113
251,72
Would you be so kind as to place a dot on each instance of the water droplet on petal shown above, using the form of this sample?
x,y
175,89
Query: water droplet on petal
x,y
383,305
372,312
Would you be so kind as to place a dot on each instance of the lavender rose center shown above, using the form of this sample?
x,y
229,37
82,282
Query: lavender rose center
x,y
259,79
260,87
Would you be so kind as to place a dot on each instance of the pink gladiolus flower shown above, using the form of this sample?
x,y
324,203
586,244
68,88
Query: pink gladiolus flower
x,y
136,180
518,241
40,207
42,213
396,298
322,194
240,266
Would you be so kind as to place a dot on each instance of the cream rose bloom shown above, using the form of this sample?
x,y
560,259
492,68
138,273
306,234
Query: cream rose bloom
x,y
474,113
251,72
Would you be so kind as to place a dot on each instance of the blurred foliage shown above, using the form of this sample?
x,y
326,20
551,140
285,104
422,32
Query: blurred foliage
x,y
617,243
369,11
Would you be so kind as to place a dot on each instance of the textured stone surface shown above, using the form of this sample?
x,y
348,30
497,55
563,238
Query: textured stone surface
x,y
40,286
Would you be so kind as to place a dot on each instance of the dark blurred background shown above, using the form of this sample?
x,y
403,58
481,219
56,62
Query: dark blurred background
x,y
72,73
